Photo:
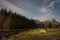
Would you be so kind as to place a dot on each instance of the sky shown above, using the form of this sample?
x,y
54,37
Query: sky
x,y
34,9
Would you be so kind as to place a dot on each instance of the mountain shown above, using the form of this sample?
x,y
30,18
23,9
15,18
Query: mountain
x,y
48,23
53,21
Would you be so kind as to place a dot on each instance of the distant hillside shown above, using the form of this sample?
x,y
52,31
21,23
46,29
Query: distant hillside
x,y
48,23
11,21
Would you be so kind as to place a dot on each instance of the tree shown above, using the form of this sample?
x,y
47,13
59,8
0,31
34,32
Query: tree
x,y
10,20
7,24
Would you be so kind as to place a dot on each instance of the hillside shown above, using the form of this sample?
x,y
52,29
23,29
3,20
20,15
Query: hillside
x,y
51,23
35,34
14,21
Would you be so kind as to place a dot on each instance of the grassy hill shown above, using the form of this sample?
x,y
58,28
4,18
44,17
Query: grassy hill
x,y
36,34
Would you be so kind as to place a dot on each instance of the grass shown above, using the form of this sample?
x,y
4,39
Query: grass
x,y
37,34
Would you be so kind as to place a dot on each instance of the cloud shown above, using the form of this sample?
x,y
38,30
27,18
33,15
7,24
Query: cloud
x,y
47,13
46,10
32,9
45,1
12,7
51,4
